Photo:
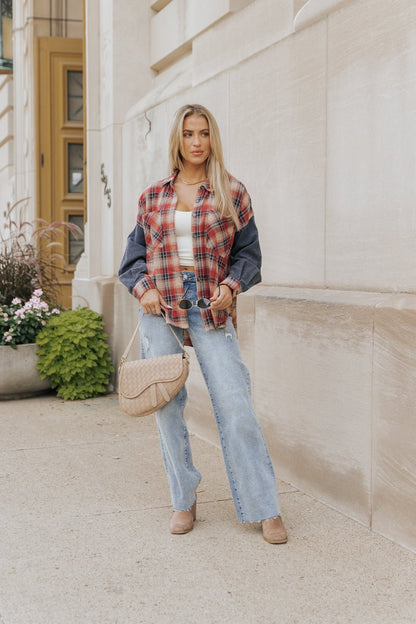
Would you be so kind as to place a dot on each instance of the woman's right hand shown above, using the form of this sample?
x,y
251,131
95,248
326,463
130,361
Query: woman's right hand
x,y
152,302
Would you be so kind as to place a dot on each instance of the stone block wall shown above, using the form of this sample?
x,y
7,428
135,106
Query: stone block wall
x,y
315,101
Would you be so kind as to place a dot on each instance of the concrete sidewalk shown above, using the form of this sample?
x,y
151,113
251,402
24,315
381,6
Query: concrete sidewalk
x,y
84,536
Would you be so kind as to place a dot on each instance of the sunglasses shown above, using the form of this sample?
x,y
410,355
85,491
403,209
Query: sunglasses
x,y
187,304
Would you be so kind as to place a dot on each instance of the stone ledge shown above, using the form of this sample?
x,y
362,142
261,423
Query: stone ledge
x,y
239,37
314,10
399,301
175,26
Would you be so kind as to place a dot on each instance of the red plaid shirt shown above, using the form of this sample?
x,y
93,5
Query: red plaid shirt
x,y
151,259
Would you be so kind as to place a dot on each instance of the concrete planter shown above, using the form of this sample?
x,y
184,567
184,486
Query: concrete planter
x,y
18,375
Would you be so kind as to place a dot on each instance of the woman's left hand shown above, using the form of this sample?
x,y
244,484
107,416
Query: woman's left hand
x,y
223,298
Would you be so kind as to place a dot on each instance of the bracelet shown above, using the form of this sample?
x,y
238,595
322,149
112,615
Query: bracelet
x,y
232,292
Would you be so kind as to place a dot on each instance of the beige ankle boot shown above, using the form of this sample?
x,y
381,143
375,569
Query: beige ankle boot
x,y
183,521
274,531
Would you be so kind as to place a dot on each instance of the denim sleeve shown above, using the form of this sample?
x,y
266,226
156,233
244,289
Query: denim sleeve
x,y
245,259
133,265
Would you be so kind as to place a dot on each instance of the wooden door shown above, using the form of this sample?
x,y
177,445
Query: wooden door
x,y
60,144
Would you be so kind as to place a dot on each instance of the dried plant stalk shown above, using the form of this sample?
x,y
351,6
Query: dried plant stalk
x,y
31,255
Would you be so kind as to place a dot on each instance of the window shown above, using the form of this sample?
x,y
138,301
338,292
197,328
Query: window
x,y
74,96
75,168
75,244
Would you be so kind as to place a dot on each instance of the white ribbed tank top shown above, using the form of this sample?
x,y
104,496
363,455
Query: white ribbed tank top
x,y
183,230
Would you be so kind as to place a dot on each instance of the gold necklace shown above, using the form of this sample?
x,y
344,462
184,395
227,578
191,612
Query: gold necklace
x,y
191,183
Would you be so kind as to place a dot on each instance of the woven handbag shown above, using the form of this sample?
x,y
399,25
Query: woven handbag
x,y
148,384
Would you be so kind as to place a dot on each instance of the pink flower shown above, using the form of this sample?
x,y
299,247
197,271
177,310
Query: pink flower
x,y
16,300
8,338
55,311
38,293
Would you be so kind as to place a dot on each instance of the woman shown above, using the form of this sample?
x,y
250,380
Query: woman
x,y
194,248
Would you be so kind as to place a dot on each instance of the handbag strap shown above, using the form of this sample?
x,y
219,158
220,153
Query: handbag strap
x,y
132,339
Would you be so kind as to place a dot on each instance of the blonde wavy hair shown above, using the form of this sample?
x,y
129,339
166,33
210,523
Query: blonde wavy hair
x,y
215,169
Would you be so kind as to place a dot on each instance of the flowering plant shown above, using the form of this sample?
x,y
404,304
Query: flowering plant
x,y
20,321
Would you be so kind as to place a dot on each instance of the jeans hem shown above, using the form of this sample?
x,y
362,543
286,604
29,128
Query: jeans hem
x,y
267,517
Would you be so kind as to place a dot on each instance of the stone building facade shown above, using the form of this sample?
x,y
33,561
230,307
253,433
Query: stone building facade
x,y
315,100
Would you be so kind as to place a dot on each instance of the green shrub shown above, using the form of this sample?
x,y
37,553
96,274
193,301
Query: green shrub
x,y
74,355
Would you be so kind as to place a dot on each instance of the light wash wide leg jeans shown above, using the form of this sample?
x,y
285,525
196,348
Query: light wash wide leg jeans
x,y
248,464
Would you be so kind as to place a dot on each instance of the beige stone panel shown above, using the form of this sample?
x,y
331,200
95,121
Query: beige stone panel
x,y
133,134
145,151
6,159
298,4
277,144
167,35
98,294
6,129
166,85
174,27
114,85
96,206
111,229
168,78
240,35
6,92
371,217
126,315
6,172
92,63
313,391
104,55
132,76
130,190
246,318
394,506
